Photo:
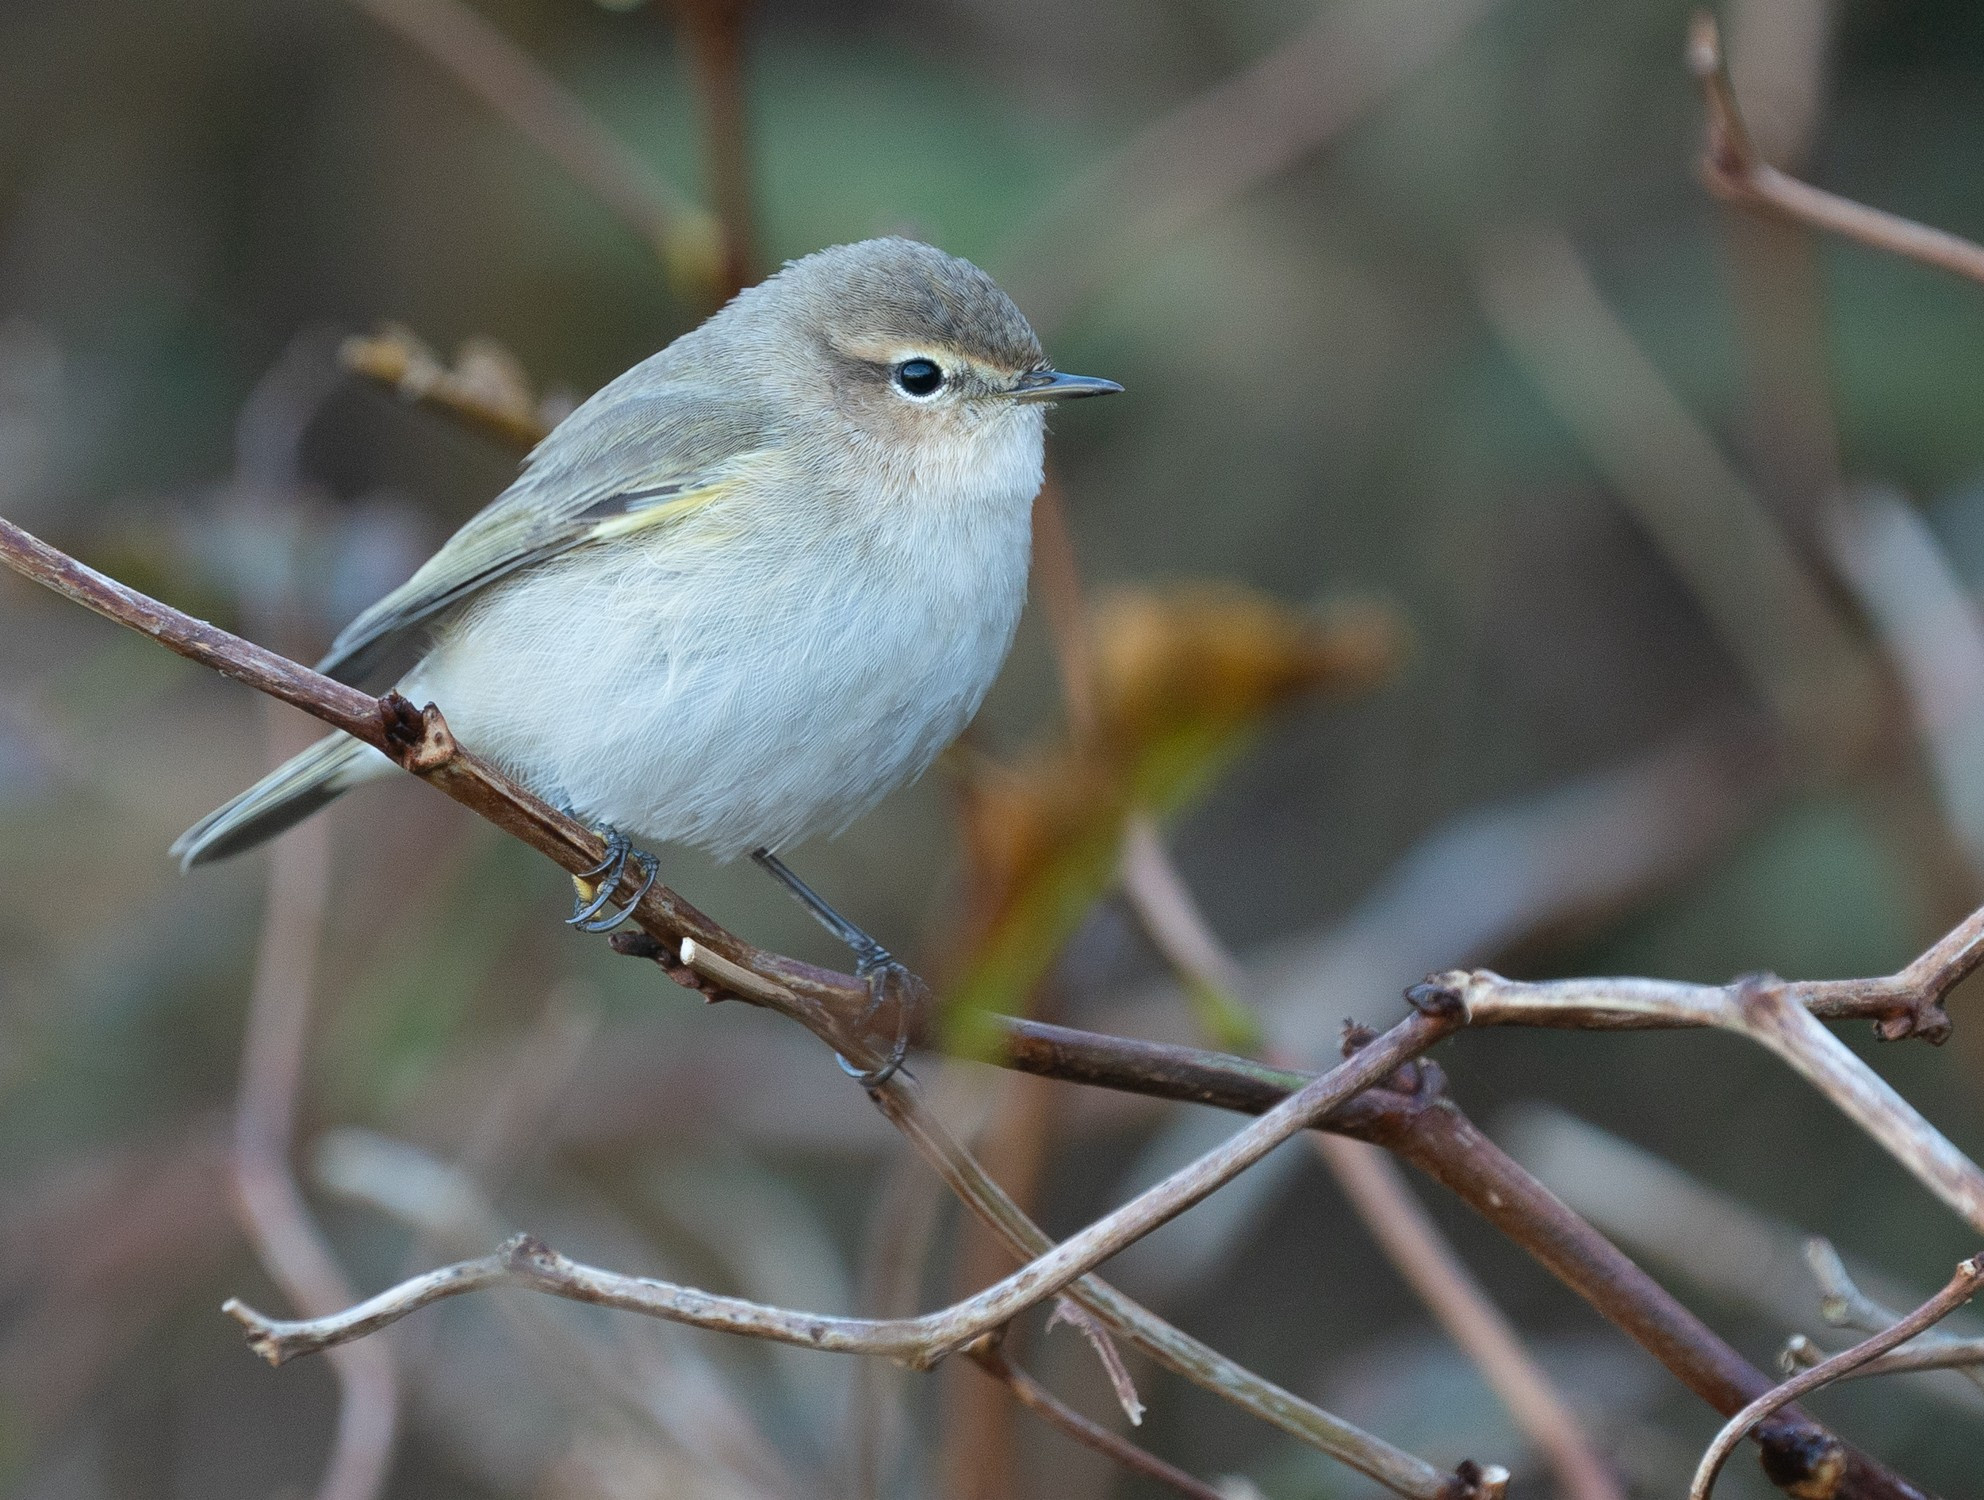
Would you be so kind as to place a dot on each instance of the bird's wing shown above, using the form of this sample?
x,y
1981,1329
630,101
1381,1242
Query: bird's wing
x,y
619,464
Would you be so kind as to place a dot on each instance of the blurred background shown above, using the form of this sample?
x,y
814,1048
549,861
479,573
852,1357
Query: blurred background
x,y
1645,542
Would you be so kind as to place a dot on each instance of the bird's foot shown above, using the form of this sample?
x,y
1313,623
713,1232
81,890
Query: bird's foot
x,y
598,914
889,984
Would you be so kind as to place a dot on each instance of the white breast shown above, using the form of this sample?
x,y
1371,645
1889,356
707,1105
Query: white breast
x,y
741,681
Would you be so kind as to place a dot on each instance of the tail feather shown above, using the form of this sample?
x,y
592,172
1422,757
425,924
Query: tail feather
x,y
281,799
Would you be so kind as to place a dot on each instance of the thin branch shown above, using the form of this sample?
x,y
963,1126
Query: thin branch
x,y
514,86
1057,578
497,408
1844,1305
1773,1013
1735,172
1084,1322
1751,585
919,1342
716,33
1414,1244
268,1203
1376,1189
901,1099
1965,1356
1417,1123
1036,1398
1961,1288
1413,1116
1222,143
267,1200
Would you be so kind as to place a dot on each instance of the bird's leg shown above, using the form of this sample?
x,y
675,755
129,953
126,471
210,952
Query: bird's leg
x,y
872,962
598,914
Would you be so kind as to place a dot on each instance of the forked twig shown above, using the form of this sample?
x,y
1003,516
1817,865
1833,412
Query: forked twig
x,y
832,1006
1736,173
990,1357
1780,1015
1423,1256
512,84
920,1342
1961,1288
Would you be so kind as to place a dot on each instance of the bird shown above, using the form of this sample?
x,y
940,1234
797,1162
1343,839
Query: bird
x,y
741,593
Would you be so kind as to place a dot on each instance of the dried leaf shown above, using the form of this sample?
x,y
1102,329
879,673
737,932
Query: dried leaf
x,y
1182,680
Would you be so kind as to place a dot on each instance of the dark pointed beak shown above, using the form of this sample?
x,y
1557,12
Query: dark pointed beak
x,y
1052,385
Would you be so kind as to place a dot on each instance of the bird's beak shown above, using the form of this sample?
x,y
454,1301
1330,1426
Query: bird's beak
x,y
1052,385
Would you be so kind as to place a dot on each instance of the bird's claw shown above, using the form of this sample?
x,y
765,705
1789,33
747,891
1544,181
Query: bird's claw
x,y
888,984
599,914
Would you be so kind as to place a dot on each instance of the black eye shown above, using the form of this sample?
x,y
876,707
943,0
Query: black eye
x,y
919,377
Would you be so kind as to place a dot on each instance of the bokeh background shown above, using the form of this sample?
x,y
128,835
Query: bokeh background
x,y
1679,519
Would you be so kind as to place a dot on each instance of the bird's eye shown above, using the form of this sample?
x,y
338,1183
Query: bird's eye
x,y
919,377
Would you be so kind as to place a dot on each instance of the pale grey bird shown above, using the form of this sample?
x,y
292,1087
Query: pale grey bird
x,y
751,586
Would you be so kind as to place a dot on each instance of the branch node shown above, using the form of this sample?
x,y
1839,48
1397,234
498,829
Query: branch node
x,y
1924,1019
261,1336
1473,1481
636,944
418,738
1442,996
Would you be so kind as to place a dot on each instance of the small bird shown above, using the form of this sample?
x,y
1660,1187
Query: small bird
x,y
741,593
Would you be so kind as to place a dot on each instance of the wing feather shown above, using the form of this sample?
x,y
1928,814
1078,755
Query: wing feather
x,y
626,460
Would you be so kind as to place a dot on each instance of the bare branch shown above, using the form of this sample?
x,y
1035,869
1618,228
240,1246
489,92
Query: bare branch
x,y
716,32
1735,173
477,391
1961,1288
1107,1354
1752,587
1412,1116
1771,1012
1222,143
1844,1305
901,1099
512,84
919,1342
267,1200
1377,1190
1036,1398
1414,1244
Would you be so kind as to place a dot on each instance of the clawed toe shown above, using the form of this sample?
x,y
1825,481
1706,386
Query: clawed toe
x,y
599,914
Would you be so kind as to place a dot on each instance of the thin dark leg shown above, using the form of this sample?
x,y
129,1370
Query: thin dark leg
x,y
869,955
872,962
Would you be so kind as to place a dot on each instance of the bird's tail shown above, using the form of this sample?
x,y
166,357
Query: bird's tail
x,y
281,799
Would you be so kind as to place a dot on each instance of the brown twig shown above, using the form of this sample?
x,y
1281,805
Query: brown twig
x,y
1844,1305
1961,1288
1423,1256
1414,1118
919,1342
1218,145
901,1099
497,408
1057,578
512,84
990,1357
1776,1014
1377,1190
1776,622
267,1200
1736,173
716,33
823,1002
